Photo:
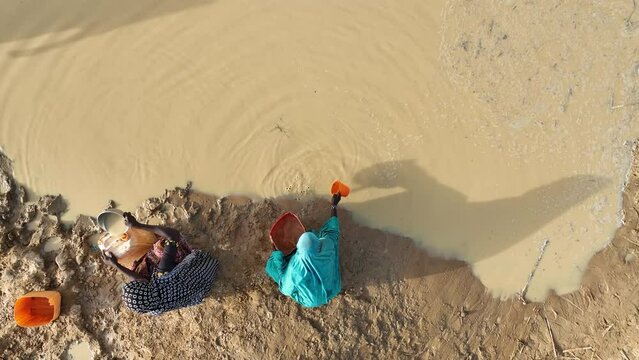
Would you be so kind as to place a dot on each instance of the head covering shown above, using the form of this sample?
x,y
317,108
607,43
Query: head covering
x,y
308,243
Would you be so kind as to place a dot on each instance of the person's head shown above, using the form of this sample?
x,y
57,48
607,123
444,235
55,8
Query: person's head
x,y
308,243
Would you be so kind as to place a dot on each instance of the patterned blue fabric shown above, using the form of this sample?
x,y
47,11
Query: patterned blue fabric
x,y
186,285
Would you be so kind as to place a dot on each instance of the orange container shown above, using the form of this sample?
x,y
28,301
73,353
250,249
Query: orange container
x,y
341,188
37,308
285,232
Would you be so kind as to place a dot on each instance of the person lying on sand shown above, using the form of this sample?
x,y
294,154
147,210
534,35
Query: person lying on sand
x,y
310,274
170,276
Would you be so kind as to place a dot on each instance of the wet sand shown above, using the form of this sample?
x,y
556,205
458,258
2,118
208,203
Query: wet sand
x,y
477,131
398,301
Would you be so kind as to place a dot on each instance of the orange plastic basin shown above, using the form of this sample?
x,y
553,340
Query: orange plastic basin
x,y
285,232
37,308
341,188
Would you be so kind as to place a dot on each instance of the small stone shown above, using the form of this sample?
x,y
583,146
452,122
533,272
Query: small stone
x,y
84,226
629,257
21,194
182,214
192,208
210,214
29,213
5,183
163,218
62,260
75,311
79,258
52,205
152,204
66,275
34,261
182,193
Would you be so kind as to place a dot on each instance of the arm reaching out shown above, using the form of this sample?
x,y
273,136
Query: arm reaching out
x,y
162,231
110,259
336,198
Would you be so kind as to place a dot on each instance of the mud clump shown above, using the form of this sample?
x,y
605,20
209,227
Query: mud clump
x,y
52,205
7,189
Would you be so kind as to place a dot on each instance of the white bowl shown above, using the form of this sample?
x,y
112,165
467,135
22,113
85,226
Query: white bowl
x,y
102,218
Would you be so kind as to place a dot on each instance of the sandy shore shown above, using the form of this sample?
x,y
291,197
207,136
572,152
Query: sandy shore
x,y
398,301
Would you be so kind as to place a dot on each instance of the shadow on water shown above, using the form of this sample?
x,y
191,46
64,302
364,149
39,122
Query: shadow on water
x,y
71,20
236,232
443,219
370,256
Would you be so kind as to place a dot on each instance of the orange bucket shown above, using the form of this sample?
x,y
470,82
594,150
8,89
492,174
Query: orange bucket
x,y
341,188
285,232
37,308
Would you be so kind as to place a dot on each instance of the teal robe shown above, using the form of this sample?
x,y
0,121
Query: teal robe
x,y
310,275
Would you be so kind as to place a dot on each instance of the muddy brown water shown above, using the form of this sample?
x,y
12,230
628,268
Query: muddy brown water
x,y
119,100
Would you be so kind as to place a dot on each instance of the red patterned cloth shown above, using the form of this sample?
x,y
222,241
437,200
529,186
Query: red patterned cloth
x,y
146,265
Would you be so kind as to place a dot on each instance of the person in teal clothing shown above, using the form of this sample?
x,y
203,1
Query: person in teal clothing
x,y
310,274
